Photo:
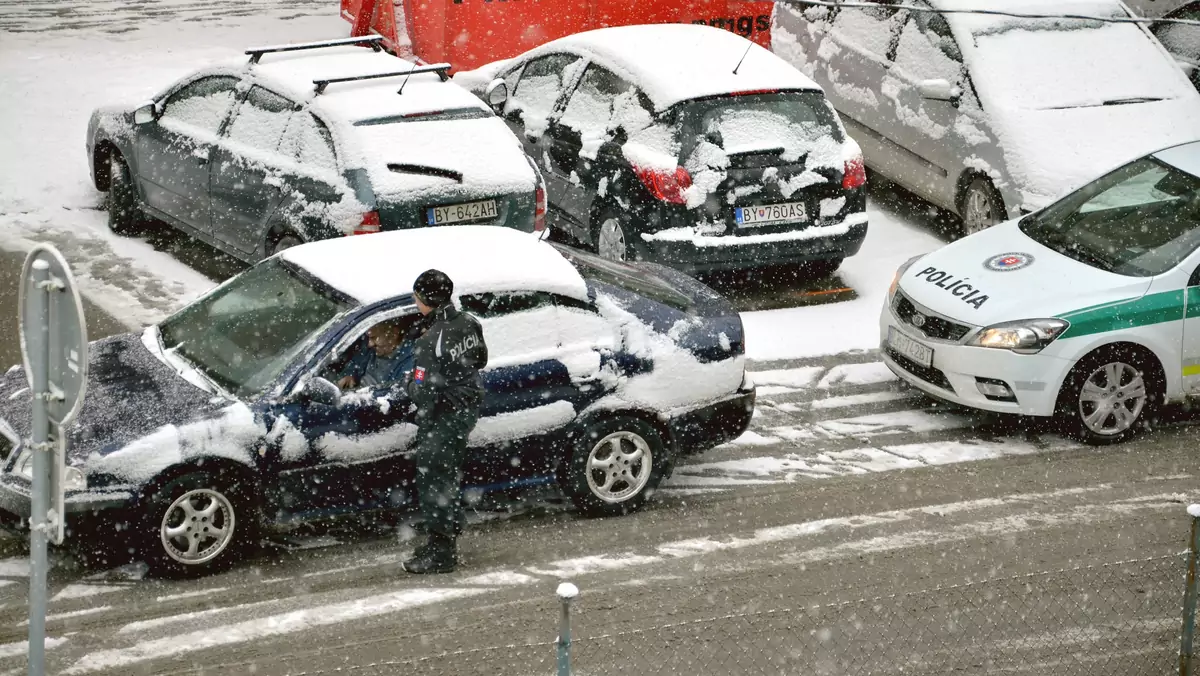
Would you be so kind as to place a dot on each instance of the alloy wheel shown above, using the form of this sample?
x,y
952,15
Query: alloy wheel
x,y
611,242
197,527
618,467
1112,398
978,211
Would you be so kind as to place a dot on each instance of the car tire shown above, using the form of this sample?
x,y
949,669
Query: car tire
x,y
980,206
1117,380
283,243
612,236
124,207
616,463
182,518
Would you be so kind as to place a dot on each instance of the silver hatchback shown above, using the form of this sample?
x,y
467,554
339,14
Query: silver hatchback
x,y
991,116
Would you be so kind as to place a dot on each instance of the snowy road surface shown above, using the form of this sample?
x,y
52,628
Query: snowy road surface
x,y
847,486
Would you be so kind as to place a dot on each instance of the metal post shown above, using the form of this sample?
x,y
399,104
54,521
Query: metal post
x,y
1189,596
566,592
38,344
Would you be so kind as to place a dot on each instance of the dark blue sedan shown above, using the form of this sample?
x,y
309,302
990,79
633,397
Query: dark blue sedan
x,y
225,420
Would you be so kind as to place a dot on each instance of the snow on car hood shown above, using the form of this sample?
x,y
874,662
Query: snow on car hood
x,y
1051,152
484,150
962,282
131,396
1044,84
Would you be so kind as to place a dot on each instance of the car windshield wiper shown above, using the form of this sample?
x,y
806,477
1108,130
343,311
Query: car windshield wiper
x,y
1057,241
427,170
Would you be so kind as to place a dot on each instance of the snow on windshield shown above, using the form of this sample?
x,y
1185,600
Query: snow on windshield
x,y
746,129
1033,65
484,150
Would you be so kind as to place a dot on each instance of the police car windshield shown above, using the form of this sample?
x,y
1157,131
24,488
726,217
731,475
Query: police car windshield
x,y
243,335
1140,220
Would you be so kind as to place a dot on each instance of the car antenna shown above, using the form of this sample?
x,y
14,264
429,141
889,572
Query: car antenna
x,y
401,89
739,63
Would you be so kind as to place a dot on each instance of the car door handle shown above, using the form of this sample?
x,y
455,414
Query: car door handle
x,y
200,154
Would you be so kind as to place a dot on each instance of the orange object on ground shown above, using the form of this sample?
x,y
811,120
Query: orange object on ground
x,y
470,33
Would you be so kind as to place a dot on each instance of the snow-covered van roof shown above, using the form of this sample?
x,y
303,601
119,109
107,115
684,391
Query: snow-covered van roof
x,y
676,62
294,72
478,258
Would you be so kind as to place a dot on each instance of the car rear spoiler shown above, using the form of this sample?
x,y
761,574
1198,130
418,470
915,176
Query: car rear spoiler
x,y
374,41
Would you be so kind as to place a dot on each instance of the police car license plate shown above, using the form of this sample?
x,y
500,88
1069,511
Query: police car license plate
x,y
770,213
456,213
910,348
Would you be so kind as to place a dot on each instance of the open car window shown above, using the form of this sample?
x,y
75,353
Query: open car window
x,y
355,340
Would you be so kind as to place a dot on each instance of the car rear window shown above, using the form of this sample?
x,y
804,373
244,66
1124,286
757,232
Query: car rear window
x,y
790,123
628,278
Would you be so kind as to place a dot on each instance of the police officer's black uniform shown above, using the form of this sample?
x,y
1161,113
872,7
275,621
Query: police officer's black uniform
x,y
447,391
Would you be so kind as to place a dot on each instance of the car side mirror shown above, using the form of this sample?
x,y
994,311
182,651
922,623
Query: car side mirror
x,y
939,90
145,113
496,94
317,390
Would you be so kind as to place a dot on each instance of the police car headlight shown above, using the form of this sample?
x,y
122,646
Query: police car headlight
x,y
1026,336
900,273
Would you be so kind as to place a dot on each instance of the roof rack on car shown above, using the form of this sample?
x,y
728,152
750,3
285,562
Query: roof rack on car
x,y
439,68
373,40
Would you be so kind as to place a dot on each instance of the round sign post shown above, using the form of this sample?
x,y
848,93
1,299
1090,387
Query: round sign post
x,y
54,349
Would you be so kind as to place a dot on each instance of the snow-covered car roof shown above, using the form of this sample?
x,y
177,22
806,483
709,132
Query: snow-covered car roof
x,y
294,73
676,62
479,259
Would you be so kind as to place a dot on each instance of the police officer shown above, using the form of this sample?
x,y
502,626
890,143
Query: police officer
x,y
447,391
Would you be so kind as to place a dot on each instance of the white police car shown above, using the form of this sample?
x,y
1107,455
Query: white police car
x,y
1088,310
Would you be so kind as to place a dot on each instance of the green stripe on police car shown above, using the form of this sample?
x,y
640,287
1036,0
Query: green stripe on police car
x,y
1153,308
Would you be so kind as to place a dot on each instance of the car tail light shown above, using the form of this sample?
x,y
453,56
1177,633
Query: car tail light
x,y
370,224
539,212
666,185
854,174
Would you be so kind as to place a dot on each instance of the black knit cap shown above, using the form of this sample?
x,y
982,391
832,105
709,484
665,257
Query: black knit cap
x,y
434,288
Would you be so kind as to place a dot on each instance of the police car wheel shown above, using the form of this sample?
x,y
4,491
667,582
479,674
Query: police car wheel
x,y
1108,397
615,464
124,211
196,524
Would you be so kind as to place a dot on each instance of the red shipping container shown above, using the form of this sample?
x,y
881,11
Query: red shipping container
x,y
470,33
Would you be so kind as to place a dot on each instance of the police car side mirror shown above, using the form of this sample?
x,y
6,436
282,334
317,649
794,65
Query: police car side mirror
x,y
317,390
496,94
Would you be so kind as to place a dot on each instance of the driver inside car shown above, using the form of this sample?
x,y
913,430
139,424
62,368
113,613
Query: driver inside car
x,y
386,357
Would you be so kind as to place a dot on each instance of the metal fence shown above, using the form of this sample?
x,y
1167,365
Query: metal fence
x,y
1124,618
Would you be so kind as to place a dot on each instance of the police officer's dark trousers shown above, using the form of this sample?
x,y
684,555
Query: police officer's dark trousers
x,y
439,457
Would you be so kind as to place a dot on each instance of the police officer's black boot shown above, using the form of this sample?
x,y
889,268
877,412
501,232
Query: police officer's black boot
x,y
441,556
